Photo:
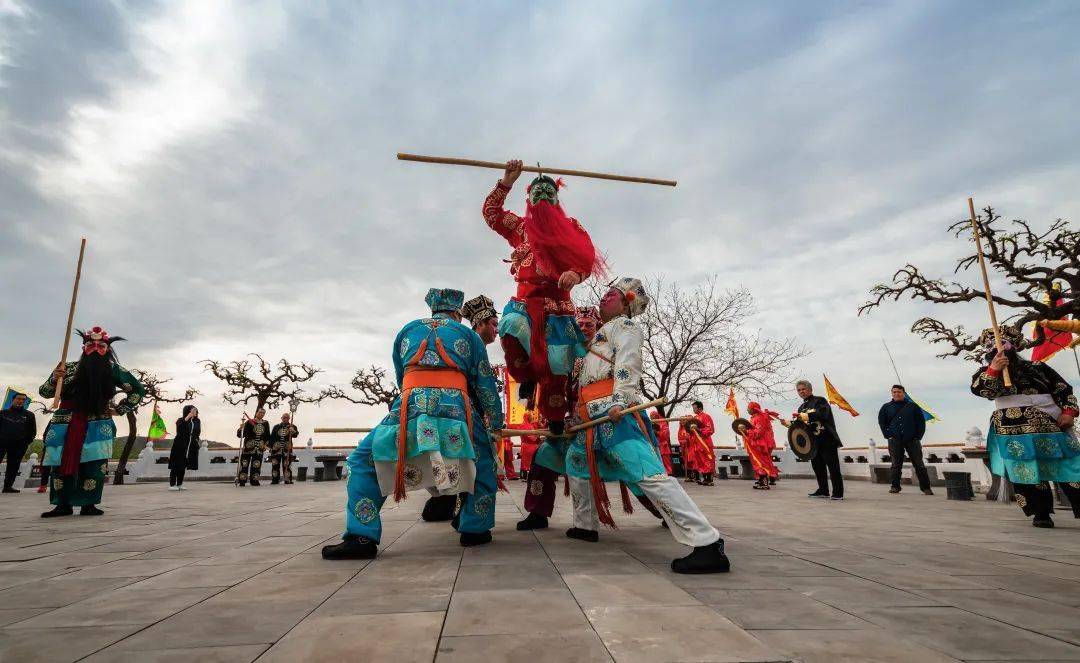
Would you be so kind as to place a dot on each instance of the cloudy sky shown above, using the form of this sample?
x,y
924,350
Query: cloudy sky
x,y
233,168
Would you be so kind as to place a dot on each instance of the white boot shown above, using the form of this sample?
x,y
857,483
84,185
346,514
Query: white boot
x,y
174,487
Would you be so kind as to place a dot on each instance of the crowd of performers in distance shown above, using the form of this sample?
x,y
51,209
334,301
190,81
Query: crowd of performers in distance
x,y
573,365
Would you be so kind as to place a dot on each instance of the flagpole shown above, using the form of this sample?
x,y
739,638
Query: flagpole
x,y
1077,359
891,361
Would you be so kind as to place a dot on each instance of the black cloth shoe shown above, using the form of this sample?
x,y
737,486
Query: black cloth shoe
x,y
254,482
242,484
91,510
532,521
58,510
352,547
1043,522
663,523
439,509
590,535
475,538
894,489
818,493
704,559
927,491
772,481
9,489
274,482
837,498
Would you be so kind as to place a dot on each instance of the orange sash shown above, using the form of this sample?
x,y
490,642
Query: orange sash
x,y
588,393
442,377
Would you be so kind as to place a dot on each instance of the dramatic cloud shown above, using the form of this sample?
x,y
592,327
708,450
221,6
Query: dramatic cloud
x,y
233,167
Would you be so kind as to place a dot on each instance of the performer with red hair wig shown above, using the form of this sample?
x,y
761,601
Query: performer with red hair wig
x,y
551,254
760,444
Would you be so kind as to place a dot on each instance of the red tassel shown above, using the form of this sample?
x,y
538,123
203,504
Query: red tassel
x,y
501,484
559,184
599,490
565,485
627,507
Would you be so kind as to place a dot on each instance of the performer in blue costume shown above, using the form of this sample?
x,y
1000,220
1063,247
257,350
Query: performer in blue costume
x,y
624,449
431,436
1032,439
79,438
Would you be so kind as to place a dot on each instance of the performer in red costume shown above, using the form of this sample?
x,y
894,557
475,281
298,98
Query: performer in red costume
x,y
688,448
702,433
663,436
760,443
529,443
551,254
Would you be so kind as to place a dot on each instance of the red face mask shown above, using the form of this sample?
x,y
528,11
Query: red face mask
x,y
99,347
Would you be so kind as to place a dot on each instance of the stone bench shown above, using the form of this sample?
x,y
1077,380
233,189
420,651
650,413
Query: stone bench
x,y
958,485
331,470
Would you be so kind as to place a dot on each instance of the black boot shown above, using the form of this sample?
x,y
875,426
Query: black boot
x,y
772,481
708,479
439,509
590,535
704,559
351,547
91,510
9,489
1043,522
532,521
475,539
59,510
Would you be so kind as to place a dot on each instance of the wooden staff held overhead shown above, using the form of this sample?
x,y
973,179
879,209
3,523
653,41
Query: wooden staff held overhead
x,y
67,334
533,169
986,285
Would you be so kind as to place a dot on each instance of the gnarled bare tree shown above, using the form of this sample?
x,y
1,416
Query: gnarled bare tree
x,y
1031,262
372,386
268,384
695,344
155,393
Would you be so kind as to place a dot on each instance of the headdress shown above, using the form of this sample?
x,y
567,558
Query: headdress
x,y
478,309
444,300
97,341
636,298
589,313
1009,334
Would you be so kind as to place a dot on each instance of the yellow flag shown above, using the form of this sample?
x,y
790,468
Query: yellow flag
x,y
834,397
732,407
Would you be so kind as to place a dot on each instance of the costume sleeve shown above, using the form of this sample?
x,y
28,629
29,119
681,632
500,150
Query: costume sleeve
x,y
626,339
990,385
33,426
399,359
822,412
1060,389
498,219
487,390
132,388
48,389
707,427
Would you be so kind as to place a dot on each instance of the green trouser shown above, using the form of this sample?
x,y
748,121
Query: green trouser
x,y
83,489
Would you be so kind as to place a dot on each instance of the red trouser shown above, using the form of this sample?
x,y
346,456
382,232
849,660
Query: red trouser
x,y
540,493
508,459
551,389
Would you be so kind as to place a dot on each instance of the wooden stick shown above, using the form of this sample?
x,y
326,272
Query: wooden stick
x,y
518,432
1072,326
513,432
343,430
70,319
986,285
533,169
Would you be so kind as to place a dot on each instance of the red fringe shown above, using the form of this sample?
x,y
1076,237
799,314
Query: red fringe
x,y
599,490
627,506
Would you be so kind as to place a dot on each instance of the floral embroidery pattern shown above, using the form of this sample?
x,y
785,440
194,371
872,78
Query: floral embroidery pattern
x,y
1015,448
463,348
536,487
482,505
365,510
89,485
413,475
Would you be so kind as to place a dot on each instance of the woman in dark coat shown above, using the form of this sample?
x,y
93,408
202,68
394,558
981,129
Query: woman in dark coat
x,y
184,454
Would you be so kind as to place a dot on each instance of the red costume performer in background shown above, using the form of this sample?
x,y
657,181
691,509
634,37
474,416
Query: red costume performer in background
x,y
702,435
688,448
529,443
760,443
663,437
551,254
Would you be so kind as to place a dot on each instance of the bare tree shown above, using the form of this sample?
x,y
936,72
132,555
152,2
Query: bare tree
x,y
155,393
1030,261
695,344
269,385
372,385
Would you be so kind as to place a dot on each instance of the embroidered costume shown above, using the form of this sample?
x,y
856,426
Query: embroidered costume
x,y
281,449
1027,445
79,437
538,333
431,438
256,437
626,450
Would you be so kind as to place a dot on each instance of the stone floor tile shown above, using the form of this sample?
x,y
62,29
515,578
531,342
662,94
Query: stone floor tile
x,y
60,591
127,606
639,589
401,638
232,654
776,608
847,591
501,612
848,646
57,644
576,646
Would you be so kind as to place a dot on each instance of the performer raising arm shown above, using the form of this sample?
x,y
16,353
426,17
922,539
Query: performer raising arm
x,y
551,254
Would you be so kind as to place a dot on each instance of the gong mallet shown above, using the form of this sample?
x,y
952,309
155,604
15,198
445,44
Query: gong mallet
x,y
501,165
986,285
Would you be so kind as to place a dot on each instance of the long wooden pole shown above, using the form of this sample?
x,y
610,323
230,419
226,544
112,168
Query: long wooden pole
x,y
986,286
512,432
70,320
453,161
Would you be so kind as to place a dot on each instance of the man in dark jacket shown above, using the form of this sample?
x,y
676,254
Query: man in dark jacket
x,y
816,412
903,425
17,430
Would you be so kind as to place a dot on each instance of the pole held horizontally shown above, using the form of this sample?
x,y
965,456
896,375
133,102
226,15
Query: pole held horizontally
x,y
986,285
497,165
70,320
343,430
510,432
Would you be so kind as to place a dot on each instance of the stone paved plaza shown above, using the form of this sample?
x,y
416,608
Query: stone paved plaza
x,y
219,573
